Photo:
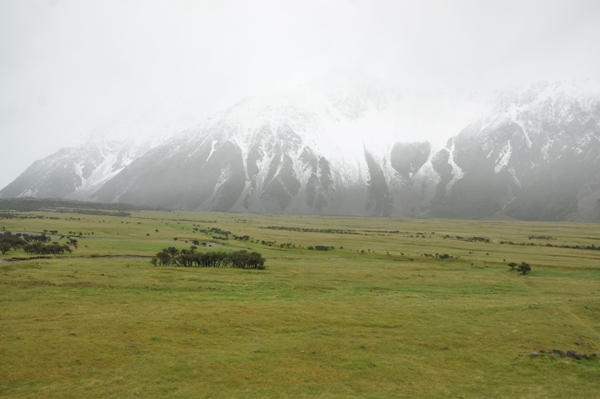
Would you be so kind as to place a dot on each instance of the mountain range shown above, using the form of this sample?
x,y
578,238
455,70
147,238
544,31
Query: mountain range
x,y
350,144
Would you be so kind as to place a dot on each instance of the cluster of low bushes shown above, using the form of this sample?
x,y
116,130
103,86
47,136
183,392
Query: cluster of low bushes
x,y
9,242
469,239
309,230
438,255
34,244
591,247
52,248
542,238
223,234
321,248
22,216
191,258
523,268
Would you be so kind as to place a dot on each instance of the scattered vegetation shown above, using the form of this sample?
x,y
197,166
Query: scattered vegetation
x,y
542,238
591,247
470,239
311,230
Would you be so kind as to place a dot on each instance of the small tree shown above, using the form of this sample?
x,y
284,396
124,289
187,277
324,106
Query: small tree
x,y
172,251
512,265
5,247
164,258
524,268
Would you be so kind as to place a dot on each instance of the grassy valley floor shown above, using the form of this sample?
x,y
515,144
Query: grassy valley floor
x,y
396,320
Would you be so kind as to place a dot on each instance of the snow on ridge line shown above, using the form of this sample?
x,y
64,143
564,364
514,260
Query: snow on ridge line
x,y
457,172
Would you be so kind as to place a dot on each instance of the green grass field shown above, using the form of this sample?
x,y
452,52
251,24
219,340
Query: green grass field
x,y
387,323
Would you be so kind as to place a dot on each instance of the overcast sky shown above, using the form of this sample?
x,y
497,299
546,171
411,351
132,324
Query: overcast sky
x,y
67,66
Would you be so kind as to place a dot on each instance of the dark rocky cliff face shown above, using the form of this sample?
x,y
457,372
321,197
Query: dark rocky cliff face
x,y
408,158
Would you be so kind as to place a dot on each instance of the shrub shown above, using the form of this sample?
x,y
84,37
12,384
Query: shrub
x,y
188,258
46,249
323,248
5,247
9,241
524,268
164,258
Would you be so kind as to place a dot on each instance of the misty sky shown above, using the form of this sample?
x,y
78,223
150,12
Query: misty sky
x,y
68,66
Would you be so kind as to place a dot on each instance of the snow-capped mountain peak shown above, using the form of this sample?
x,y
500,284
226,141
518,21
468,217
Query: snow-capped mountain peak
x,y
350,144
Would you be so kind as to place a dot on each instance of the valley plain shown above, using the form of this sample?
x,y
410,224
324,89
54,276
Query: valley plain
x,y
400,319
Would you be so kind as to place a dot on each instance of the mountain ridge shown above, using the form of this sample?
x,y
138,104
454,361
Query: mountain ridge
x,y
347,145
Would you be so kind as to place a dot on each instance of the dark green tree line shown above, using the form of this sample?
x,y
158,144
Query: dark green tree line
x,y
39,244
191,258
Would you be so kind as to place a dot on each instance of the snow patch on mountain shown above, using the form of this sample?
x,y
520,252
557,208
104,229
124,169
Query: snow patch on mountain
x,y
457,172
503,158
513,113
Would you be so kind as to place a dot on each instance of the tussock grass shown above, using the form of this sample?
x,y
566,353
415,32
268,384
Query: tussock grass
x,y
334,324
